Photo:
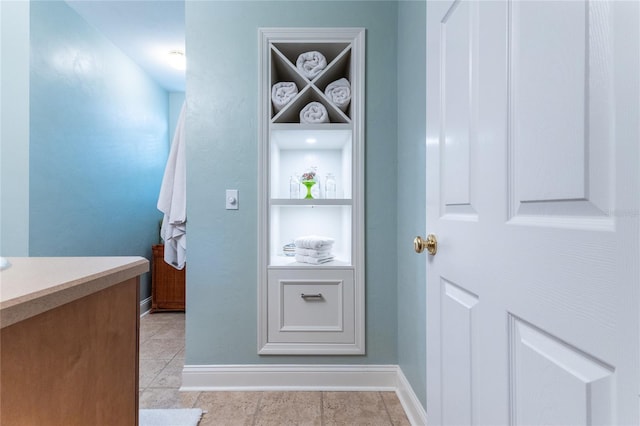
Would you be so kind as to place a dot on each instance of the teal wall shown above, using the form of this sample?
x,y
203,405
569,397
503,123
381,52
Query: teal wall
x,y
222,150
14,128
222,94
411,194
98,142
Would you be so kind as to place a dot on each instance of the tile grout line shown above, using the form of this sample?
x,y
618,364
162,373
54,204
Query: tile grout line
x,y
196,402
386,409
156,377
255,413
165,361
193,405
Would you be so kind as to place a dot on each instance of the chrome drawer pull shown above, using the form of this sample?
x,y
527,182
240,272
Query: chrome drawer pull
x,y
311,296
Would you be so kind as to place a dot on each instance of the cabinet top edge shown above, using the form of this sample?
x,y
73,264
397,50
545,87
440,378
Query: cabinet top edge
x,y
37,284
312,34
329,127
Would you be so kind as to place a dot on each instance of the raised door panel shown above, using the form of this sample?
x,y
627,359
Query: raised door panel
x,y
545,370
560,114
458,138
458,326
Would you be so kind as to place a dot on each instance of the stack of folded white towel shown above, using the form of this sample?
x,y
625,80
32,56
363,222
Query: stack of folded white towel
x,y
314,249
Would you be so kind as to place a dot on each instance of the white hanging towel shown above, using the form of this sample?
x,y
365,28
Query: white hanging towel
x,y
172,200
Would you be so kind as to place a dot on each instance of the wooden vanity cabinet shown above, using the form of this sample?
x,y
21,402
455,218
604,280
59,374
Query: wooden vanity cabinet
x,y
69,333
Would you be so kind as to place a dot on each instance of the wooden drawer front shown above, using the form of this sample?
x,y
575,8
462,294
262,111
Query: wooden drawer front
x,y
313,307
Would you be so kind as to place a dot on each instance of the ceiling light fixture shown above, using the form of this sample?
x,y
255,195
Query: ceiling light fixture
x,y
177,60
311,140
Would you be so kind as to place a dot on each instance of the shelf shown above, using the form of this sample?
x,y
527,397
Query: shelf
x,y
338,69
283,68
311,203
290,113
290,262
292,153
310,137
345,127
290,221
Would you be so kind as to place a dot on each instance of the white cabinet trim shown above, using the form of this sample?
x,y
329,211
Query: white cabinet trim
x,y
354,38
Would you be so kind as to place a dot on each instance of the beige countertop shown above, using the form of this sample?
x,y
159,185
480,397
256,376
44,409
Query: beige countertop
x,y
33,285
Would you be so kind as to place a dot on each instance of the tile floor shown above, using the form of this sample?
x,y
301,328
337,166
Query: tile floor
x,y
161,362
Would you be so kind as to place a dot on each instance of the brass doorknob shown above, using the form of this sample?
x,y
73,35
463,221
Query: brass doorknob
x,y
431,244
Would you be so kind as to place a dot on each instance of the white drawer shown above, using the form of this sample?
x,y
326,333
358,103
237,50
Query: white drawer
x,y
307,306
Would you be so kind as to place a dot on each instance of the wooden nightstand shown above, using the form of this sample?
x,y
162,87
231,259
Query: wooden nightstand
x,y
167,284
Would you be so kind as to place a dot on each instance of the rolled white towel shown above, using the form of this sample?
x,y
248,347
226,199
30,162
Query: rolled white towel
x,y
313,113
314,253
311,64
282,93
339,92
312,260
314,242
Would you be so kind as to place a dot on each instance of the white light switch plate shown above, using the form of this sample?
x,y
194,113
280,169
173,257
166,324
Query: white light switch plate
x,y
231,202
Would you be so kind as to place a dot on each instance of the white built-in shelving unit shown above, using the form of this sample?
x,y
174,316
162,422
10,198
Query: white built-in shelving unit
x,y
332,320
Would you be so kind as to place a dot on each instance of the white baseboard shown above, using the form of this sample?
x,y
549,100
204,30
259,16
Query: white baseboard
x,y
410,402
305,378
145,306
289,377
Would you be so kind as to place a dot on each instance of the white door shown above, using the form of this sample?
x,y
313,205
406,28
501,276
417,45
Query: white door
x,y
533,193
